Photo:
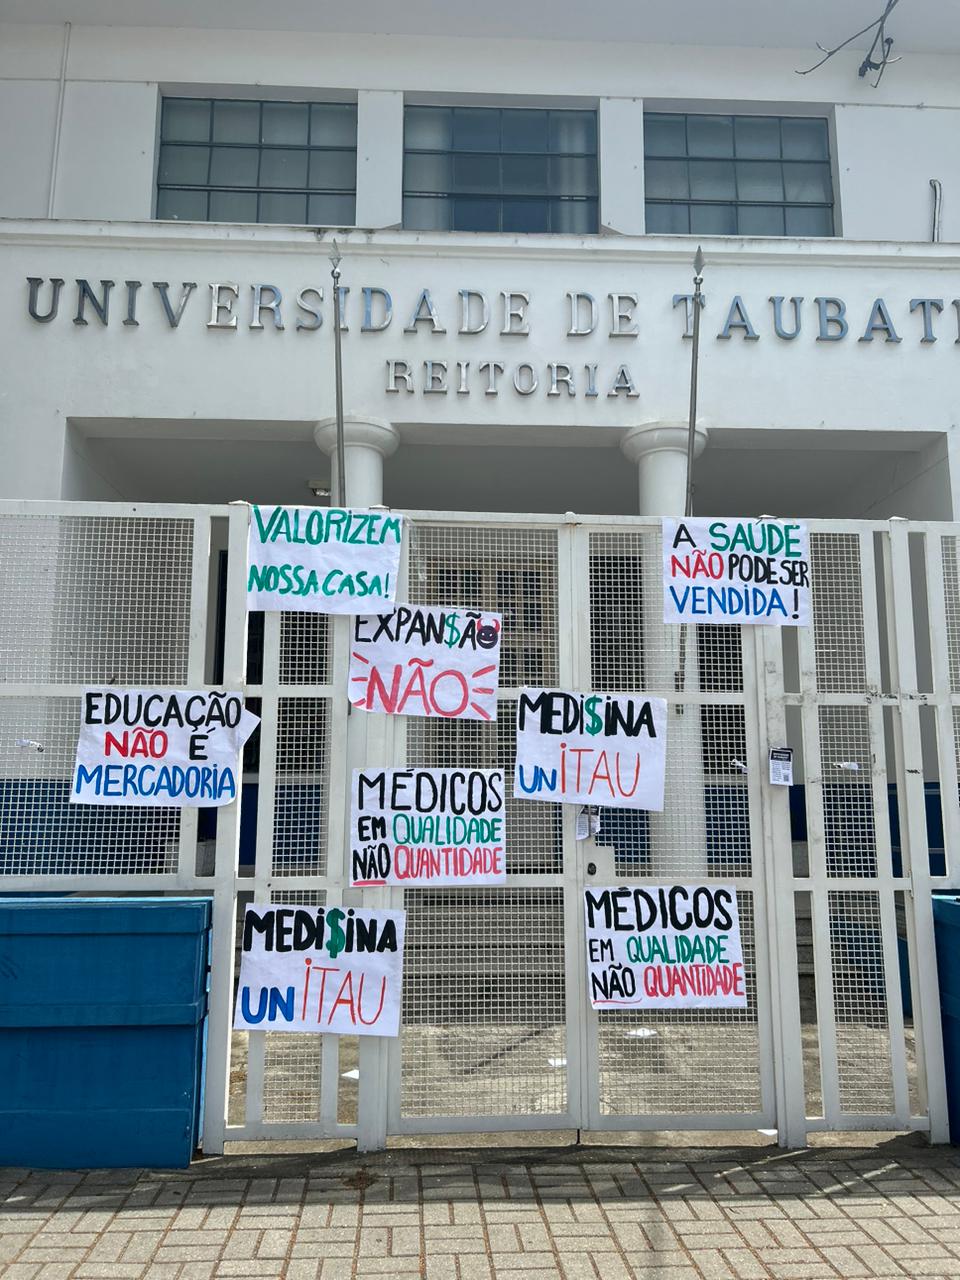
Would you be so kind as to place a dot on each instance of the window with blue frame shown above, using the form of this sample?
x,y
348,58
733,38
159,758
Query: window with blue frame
x,y
500,169
231,160
737,175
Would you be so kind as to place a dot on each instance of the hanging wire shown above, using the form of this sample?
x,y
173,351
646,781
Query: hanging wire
x,y
878,55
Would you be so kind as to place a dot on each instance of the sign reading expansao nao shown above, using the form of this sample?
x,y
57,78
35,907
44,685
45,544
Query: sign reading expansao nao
x,y
337,970
322,559
591,748
736,571
674,946
427,826
421,661
160,747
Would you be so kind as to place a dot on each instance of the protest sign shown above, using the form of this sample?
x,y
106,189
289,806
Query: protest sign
x,y
736,571
427,827
160,747
423,661
673,946
322,559
337,970
591,748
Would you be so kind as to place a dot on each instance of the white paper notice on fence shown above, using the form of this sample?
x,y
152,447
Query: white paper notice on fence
x,y
591,748
337,970
424,661
736,571
170,747
427,827
322,559
669,946
781,766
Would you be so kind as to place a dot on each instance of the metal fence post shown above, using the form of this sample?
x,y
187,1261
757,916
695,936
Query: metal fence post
x,y
223,942
789,1091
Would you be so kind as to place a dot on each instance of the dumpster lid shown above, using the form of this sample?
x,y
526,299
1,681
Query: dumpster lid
x,y
68,915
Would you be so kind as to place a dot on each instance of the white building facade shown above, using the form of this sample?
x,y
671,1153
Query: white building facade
x,y
516,196
506,201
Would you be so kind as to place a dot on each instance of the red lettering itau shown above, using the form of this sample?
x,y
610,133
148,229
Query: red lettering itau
x,y
344,997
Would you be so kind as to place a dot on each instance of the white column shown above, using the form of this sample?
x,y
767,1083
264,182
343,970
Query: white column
x,y
678,835
379,158
367,441
660,451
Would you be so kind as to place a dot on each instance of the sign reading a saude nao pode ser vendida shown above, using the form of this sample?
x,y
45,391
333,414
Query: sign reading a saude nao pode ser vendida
x,y
736,571
322,559
171,747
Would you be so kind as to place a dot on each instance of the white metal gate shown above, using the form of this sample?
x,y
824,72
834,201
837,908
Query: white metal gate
x,y
834,881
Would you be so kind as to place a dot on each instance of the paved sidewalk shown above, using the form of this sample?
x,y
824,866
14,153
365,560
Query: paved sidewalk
x,y
593,1213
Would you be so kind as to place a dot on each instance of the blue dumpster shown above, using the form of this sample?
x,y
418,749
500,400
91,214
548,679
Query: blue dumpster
x,y
102,1006
946,932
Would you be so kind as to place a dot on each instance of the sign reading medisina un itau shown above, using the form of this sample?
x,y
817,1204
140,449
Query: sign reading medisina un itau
x,y
171,747
591,748
322,559
336,969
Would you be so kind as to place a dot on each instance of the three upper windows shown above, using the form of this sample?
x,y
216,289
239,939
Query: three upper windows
x,y
501,169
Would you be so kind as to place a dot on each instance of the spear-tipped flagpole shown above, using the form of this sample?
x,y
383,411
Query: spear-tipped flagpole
x,y
341,492
694,374
680,676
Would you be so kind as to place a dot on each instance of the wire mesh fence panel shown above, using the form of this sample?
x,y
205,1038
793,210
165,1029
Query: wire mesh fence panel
x,y
484,1012
849,806
292,1063
864,1068
838,612
289,1089
846,763
630,647
484,1003
305,642
704,828
41,832
95,599
84,599
663,1062
533,831
951,601
684,1061
301,788
509,571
